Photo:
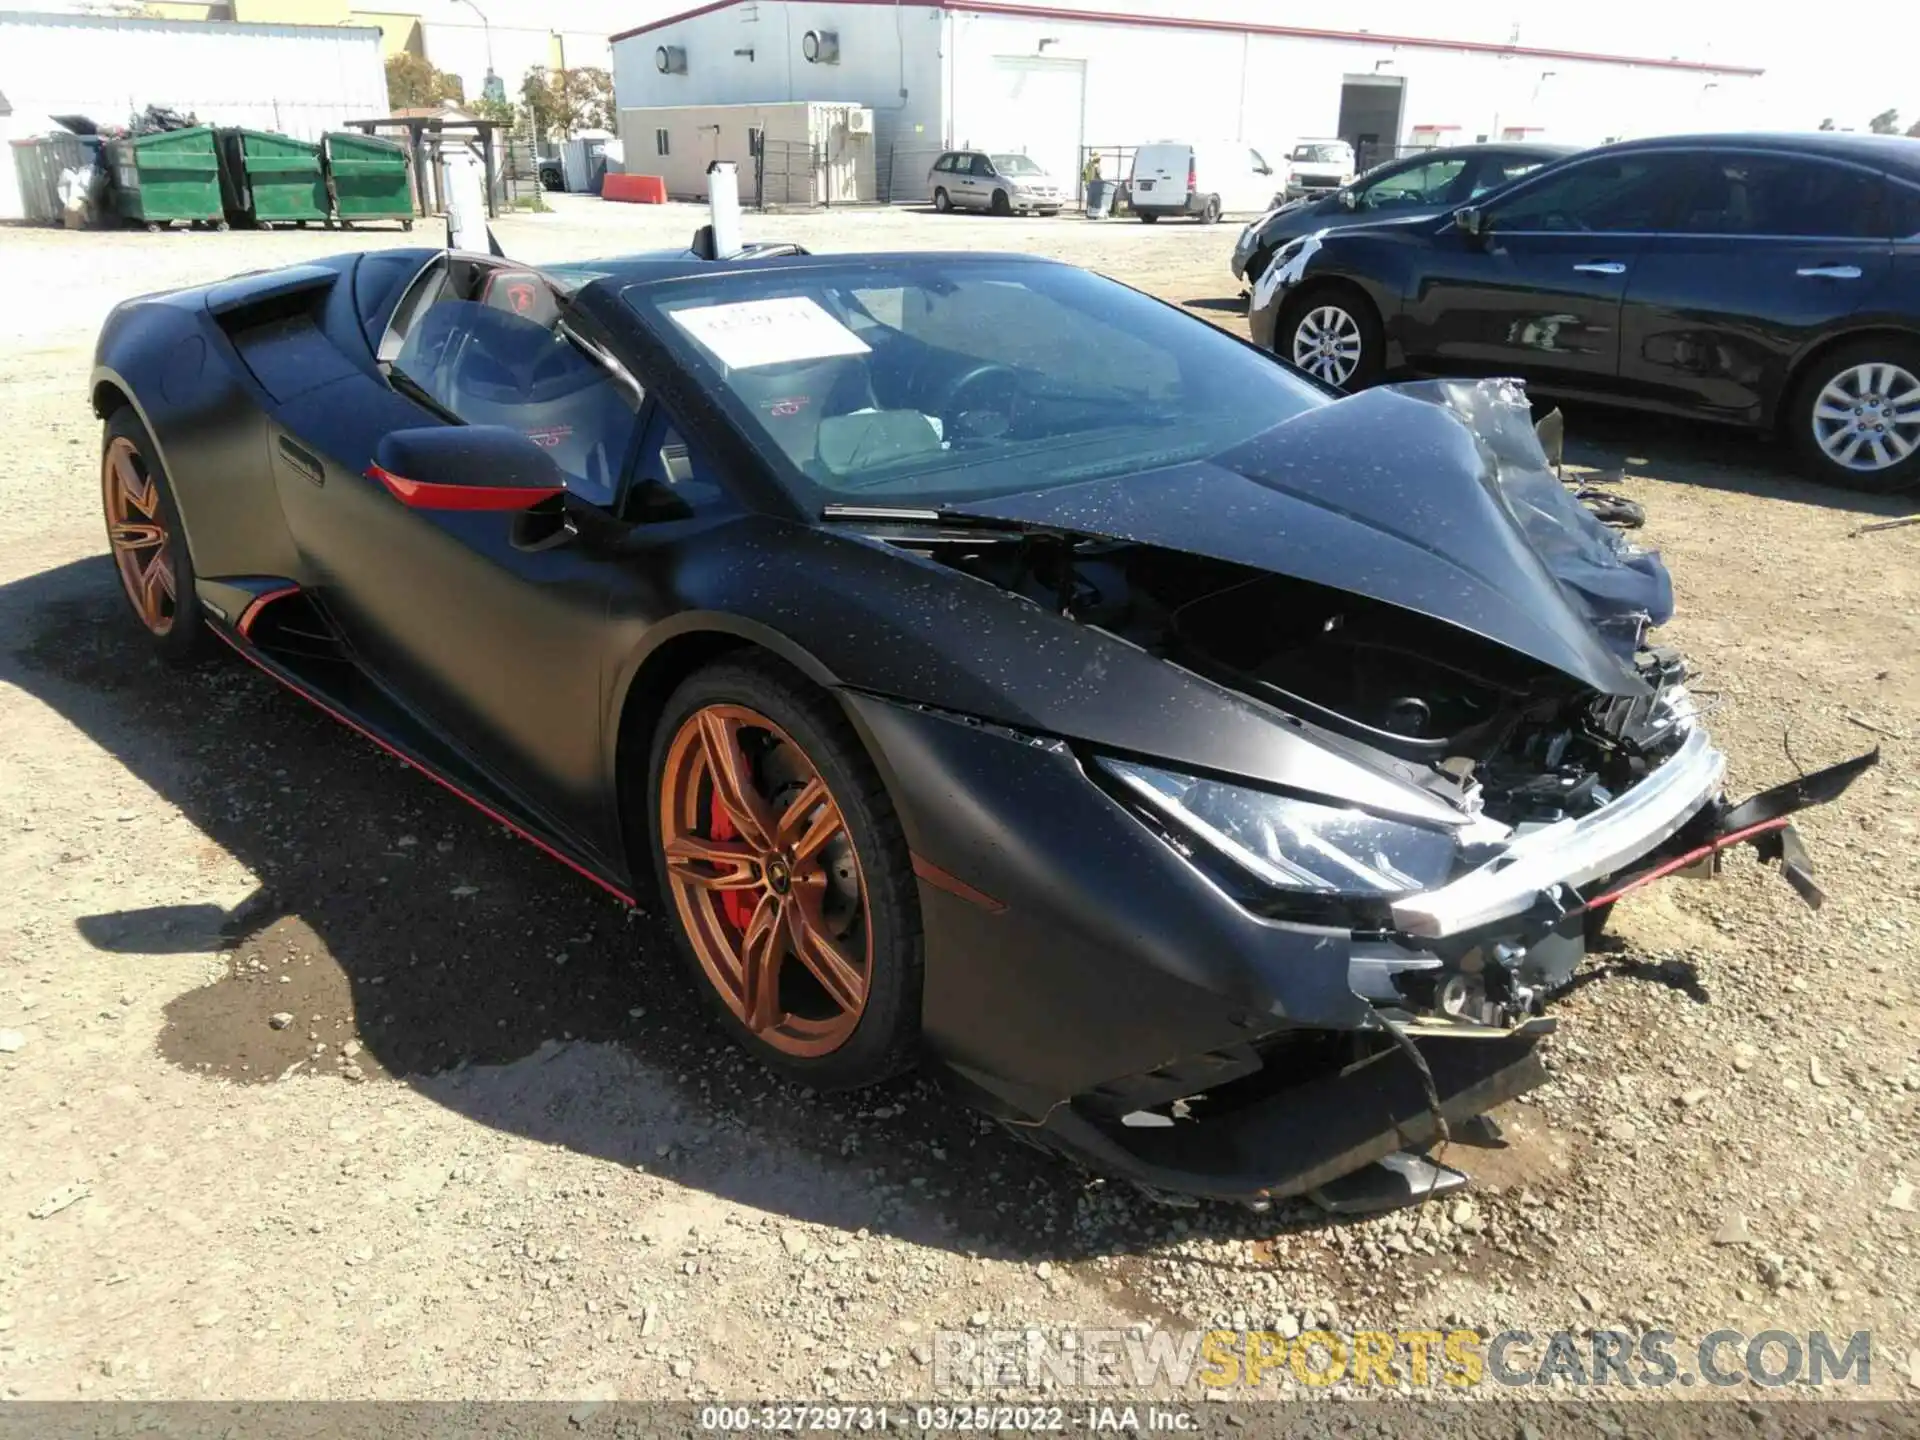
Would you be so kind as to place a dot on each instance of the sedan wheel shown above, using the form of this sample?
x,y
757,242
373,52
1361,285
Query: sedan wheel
x,y
788,877
1327,344
1865,423
942,201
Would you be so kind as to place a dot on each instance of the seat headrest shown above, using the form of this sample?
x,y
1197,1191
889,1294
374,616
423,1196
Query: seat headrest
x,y
522,293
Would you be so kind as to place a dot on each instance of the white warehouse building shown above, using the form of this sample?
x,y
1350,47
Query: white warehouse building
x,y
302,80
1053,82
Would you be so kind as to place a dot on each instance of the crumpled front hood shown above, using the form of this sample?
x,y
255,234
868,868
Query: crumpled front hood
x,y
1434,497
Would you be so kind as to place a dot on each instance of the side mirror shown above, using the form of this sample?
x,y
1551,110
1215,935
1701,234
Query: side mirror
x,y
1349,200
465,467
1470,220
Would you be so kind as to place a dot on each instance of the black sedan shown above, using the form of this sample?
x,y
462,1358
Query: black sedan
x,y
1430,183
1762,280
976,657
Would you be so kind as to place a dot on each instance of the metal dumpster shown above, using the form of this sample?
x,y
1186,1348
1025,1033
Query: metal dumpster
x,y
369,178
268,179
39,161
173,175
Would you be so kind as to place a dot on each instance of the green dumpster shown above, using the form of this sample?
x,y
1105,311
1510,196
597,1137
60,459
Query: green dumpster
x,y
268,179
173,175
369,178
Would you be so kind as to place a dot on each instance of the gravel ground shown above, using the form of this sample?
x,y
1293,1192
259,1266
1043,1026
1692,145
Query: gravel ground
x,y
493,1151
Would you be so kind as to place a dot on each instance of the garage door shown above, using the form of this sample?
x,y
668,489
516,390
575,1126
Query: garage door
x,y
1036,107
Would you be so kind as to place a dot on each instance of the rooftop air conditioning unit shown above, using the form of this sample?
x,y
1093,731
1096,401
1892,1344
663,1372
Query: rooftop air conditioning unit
x,y
670,60
820,47
859,122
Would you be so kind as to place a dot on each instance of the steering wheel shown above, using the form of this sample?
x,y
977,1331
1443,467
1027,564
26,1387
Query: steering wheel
x,y
988,391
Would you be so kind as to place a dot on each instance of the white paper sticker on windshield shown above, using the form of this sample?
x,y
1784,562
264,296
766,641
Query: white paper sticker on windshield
x,y
769,332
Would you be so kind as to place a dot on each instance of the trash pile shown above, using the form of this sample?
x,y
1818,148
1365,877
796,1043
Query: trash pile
x,y
83,195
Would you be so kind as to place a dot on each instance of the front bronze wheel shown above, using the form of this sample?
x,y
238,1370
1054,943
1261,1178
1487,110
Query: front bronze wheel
x,y
787,874
766,880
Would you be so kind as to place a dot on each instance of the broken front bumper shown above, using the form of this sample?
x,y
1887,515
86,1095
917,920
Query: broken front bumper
x,y
1085,975
1305,1136
1570,853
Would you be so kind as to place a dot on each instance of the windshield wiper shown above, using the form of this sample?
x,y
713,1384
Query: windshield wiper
x,y
915,515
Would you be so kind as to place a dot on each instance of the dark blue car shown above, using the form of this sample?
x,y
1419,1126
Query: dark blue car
x,y
1767,281
1425,184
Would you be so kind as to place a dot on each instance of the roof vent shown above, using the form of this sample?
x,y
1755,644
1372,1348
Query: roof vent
x,y
670,60
820,47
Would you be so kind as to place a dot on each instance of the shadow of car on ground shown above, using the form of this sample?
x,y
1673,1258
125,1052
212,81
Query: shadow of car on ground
x,y
423,944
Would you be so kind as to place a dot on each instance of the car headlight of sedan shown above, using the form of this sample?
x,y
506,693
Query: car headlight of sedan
x,y
1295,844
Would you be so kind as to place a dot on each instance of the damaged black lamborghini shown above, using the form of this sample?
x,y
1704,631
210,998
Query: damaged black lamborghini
x,y
980,660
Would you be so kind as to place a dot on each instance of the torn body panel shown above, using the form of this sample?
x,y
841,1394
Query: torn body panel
x,y
1571,755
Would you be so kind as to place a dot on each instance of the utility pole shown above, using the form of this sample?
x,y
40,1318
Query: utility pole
x,y
493,87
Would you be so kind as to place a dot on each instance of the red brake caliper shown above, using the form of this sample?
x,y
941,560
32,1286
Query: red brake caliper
x,y
736,905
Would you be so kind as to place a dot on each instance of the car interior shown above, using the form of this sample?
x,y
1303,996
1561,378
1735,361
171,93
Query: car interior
x,y
488,348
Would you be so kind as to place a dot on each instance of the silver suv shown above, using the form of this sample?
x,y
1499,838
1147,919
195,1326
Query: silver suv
x,y
1001,183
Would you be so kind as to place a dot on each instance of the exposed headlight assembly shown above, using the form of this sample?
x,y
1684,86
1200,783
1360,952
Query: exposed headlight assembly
x,y
1295,844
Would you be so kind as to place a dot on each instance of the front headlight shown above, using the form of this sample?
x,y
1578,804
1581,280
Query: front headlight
x,y
1295,844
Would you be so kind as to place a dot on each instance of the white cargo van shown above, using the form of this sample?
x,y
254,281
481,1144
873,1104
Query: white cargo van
x,y
1204,179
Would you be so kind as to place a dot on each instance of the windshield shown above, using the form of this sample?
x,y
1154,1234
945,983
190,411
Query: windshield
x,y
1323,154
1016,165
922,381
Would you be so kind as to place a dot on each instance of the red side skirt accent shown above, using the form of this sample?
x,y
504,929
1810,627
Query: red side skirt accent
x,y
440,780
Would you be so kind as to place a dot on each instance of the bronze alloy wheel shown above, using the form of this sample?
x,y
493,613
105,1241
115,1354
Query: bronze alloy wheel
x,y
764,874
137,530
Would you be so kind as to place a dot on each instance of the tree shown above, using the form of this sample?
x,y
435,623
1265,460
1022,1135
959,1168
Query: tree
x,y
1887,122
1914,130
560,102
413,83
503,112
1827,124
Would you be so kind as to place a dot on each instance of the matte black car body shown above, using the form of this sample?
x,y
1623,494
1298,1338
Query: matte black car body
x,y
1667,311
1484,168
1087,964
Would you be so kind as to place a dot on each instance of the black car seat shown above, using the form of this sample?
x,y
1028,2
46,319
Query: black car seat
x,y
790,400
1720,205
514,370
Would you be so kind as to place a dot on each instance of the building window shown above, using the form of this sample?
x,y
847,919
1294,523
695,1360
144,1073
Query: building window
x,y
756,140
660,142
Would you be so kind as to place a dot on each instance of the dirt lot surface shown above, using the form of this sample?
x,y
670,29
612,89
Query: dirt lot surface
x,y
498,1153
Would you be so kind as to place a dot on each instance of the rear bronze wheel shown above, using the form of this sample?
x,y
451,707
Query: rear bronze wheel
x,y
144,534
788,877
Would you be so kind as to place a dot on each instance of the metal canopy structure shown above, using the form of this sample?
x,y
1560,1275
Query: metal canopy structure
x,y
427,137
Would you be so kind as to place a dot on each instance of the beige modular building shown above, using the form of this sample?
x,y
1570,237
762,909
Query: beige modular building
x,y
799,153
